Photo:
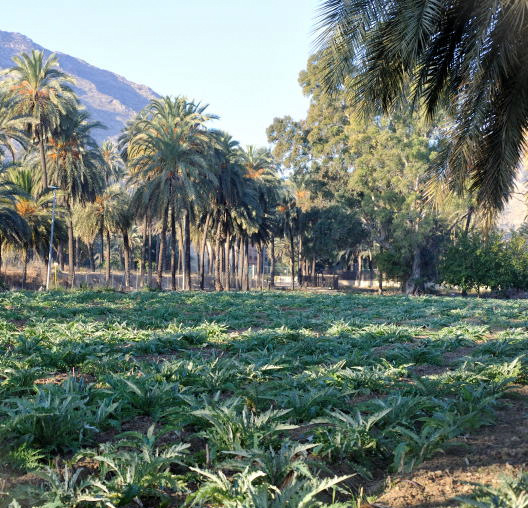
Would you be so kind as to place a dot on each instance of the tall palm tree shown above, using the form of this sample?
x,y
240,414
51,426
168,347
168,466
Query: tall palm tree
x,y
166,151
114,169
11,127
468,56
41,93
75,168
13,228
33,207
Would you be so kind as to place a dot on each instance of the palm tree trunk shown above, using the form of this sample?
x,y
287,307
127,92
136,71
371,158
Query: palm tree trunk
x,y
149,253
218,258
162,245
292,259
101,233
60,255
227,249
272,267
210,259
187,250
25,254
107,256
43,158
126,255
236,263
91,256
174,259
259,265
202,251
71,265
246,264
180,250
143,252
1,257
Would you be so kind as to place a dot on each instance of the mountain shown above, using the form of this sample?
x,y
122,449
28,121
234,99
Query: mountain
x,y
111,99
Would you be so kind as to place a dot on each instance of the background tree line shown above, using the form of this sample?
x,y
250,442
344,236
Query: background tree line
x,y
334,191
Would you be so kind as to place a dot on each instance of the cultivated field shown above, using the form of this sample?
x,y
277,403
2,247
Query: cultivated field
x,y
269,399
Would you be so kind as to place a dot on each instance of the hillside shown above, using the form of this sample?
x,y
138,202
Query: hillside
x,y
111,99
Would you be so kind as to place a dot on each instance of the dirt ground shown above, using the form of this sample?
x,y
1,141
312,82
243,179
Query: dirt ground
x,y
482,457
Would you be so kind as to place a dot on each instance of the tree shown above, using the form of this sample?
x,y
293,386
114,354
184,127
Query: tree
x,y
467,56
40,92
75,168
33,207
13,227
167,154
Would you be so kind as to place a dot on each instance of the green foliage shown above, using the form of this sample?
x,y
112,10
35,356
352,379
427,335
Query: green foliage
x,y
472,262
265,399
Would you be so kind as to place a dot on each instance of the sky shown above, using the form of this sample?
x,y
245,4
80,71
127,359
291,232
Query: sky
x,y
242,57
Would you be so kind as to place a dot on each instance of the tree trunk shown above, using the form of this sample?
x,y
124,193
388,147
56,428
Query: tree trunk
x,y
143,252
202,251
218,258
101,259
174,258
91,256
259,265
43,158
60,255
107,257
180,250
414,284
292,260
162,246
211,259
71,253
25,254
126,255
227,249
1,255
468,219
236,263
272,262
245,277
186,250
149,254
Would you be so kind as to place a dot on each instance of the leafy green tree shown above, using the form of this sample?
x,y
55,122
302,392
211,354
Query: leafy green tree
x,y
468,57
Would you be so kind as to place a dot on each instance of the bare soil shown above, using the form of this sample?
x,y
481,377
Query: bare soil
x,y
484,457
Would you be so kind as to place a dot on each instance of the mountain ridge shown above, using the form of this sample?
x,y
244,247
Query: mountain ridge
x,y
109,97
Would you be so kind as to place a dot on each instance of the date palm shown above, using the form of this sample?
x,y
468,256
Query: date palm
x,y
13,228
75,168
11,127
33,207
167,153
41,93
468,56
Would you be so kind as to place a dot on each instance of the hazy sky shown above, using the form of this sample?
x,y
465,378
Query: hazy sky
x,y
242,57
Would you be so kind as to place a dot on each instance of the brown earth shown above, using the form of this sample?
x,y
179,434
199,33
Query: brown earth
x,y
483,457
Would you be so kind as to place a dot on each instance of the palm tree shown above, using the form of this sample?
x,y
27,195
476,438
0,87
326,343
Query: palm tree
x,y
75,168
261,169
228,204
13,228
33,207
288,218
166,151
40,92
114,169
467,56
11,127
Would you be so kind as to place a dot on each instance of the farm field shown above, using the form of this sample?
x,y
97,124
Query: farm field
x,y
263,399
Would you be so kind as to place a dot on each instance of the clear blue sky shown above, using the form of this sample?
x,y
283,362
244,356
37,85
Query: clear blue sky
x,y
242,57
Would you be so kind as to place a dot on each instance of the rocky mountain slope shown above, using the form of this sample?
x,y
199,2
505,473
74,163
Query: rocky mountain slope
x,y
110,98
